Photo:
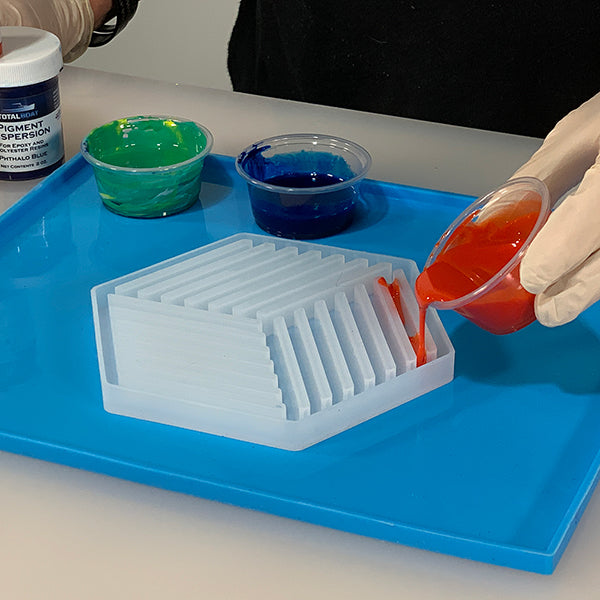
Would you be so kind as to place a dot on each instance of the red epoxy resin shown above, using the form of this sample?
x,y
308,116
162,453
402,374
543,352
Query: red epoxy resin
x,y
394,291
477,250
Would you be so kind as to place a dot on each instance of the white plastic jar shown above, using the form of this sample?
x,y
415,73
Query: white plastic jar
x,y
31,137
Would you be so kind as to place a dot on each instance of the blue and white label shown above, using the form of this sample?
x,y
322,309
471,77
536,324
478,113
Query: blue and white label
x,y
30,133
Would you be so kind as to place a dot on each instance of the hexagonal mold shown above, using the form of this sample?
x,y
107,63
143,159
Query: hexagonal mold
x,y
266,340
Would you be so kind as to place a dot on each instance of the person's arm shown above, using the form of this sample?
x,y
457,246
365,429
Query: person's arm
x,y
562,265
73,21
100,8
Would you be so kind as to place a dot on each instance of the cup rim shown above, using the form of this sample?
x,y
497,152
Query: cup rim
x,y
529,184
164,168
334,141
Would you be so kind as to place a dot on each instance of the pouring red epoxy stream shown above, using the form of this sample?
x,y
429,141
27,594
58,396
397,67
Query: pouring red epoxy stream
x,y
474,268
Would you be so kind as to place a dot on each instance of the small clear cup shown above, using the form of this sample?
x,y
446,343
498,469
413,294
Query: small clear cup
x,y
501,305
303,185
148,166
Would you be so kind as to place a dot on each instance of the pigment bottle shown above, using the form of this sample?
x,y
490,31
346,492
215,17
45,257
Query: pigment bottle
x,y
31,138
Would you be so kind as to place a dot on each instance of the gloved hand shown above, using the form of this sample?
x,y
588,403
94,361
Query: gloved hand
x,y
71,20
562,265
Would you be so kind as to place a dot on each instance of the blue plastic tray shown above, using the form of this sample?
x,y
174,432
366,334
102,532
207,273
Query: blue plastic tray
x,y
496,466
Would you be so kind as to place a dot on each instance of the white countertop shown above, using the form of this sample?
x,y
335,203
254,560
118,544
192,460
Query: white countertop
x,y
71,534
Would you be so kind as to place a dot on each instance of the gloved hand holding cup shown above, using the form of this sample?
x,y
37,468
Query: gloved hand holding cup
x,y
562,263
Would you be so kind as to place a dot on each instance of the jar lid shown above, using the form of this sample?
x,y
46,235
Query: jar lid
x,y
29,56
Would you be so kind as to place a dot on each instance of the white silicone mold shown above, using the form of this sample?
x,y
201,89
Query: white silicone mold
x,y
267,340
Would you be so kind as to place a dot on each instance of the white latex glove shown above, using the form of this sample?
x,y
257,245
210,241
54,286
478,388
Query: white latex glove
x,y
71,20
562,265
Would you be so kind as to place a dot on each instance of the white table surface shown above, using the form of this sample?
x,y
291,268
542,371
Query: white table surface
x,y
69,534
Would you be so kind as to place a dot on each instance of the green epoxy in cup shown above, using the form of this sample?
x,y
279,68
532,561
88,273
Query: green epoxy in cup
x,y
148,166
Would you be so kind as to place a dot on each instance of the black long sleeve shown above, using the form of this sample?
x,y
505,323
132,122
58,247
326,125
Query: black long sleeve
x,y
512,67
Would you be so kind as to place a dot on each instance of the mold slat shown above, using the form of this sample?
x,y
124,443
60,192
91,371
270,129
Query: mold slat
x,y
317,385
352,345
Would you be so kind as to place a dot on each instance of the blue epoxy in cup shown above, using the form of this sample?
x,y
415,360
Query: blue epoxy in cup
x,y
303,186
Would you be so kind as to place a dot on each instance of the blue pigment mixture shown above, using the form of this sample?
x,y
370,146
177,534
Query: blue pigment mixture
x,y
299,195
